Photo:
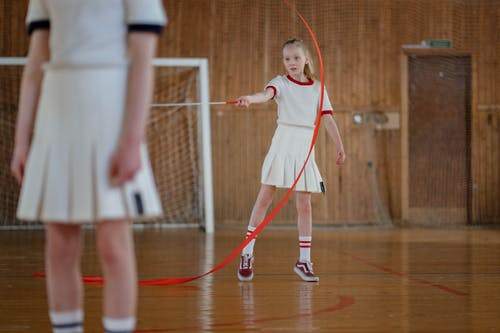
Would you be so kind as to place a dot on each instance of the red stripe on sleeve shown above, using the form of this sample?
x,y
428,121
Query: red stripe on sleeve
x,y
274,90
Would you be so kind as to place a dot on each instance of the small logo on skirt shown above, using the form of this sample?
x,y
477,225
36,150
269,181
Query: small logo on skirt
x,y
138,203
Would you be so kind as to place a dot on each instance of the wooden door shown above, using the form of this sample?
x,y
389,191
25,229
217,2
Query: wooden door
x,y
438,139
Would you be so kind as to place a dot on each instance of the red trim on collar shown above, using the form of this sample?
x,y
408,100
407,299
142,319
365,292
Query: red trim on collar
x,y
308,83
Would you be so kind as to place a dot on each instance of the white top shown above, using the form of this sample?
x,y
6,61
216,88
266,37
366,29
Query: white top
x,y
298,101
93,32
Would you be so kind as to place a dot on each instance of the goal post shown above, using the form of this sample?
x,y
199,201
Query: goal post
x,y
179,141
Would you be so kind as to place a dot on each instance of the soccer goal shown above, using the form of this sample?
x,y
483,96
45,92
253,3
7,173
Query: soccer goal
x,y
178,135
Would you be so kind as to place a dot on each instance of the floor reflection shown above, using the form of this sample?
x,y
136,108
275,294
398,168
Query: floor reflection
x,y
247,302
305,295
206,284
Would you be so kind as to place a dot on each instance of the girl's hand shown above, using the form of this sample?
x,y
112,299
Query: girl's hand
x,y
243,101
340,156
124,164
18,163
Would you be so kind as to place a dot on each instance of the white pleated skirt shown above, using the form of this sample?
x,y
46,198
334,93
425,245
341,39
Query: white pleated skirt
x,y
286,156
77,128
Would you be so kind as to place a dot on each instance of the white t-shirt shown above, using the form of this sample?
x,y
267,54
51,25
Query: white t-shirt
x,y
93,32
298,101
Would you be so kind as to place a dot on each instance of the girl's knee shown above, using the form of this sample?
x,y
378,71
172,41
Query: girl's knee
x,y
113,243
263,202
265,196
303,203
63,243
304,208
109,254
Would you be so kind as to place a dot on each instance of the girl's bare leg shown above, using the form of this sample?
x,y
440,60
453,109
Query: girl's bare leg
x,y
264,199
304,213
303,267
115,246
63,245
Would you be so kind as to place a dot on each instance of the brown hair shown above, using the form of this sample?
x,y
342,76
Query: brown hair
x,y
308,69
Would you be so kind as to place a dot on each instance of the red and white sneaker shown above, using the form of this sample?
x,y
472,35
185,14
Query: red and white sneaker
x,y
305,271
245,272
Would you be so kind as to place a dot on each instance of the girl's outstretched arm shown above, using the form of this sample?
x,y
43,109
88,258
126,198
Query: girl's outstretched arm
x,y
333,131
38,54
260,97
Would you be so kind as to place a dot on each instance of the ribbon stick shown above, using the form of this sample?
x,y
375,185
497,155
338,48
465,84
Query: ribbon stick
x,y
166,105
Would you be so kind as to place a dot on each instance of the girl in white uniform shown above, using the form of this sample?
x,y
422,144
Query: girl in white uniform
x,y
297,95
85,95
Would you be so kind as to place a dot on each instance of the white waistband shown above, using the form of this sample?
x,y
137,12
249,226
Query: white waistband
x,y
52,66
295,125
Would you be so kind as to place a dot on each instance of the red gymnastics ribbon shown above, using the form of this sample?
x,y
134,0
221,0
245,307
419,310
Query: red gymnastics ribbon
x,y
268,218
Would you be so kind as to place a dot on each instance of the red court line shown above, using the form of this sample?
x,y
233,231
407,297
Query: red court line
x,y
344,301
406,276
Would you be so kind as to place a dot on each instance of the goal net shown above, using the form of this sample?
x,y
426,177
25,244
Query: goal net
x,y
178,142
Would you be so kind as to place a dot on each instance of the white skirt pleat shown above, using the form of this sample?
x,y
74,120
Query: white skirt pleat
x,y
77,128
285,158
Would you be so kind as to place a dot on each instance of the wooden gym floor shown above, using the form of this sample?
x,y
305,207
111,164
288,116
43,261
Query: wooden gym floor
x,y
371,280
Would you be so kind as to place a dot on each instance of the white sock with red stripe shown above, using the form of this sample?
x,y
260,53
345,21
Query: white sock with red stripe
x,y
249,248
305,248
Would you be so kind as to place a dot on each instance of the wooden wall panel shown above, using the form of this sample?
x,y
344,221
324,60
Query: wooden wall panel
x,y
13,37
361,44
486,115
